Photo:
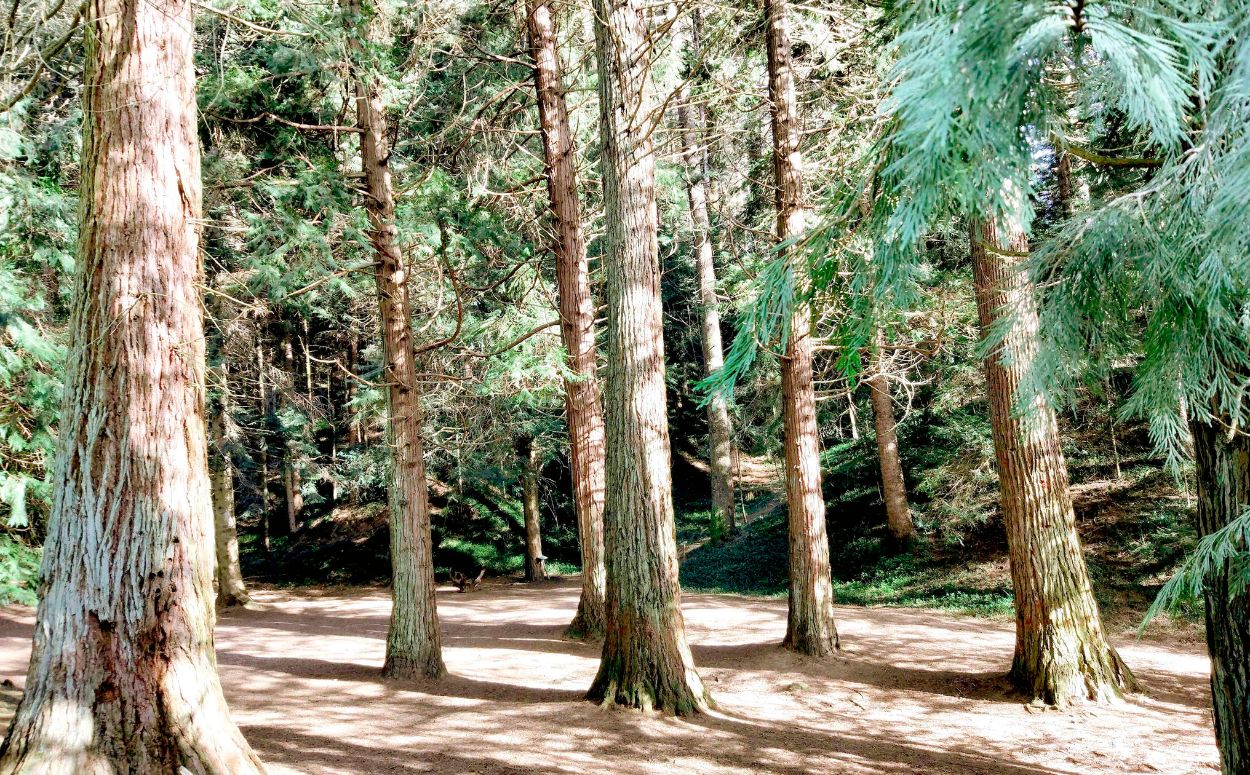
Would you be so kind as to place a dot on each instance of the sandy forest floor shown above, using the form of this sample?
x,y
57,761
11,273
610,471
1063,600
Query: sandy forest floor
x,y
913,692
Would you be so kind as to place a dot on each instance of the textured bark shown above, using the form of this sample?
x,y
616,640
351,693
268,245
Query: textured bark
x,y
231,592
413,642
692,122
1061,652
529,504
123,677
1223,469
646,660
582,405
811,628
893,488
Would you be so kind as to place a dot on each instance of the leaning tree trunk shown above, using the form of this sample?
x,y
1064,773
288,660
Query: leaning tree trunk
x,y
231,592
529,505
582,406
123,677
646,661
692,121
811,627
893,488
413,643
1223,469
1061,652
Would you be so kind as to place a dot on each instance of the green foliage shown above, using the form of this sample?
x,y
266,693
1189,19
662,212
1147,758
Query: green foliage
x,y
19,572
1227,551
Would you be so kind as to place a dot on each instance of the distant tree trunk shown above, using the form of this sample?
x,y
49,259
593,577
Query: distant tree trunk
x,y
692,122
646,661
292,483
1223,472
1061,652
893,488
122,676
262,398
414,643
529,502
811,628
231,591
582,406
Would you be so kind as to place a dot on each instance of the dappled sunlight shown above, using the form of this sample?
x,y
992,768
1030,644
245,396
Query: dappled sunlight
x,y
912,691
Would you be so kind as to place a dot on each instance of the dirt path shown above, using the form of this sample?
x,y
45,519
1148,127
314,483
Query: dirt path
x,y
913,692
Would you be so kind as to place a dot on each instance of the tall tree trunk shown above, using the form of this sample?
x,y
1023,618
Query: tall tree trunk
x,y
893,488
1223,469
811,628
529,503
413,643
231,591
122,675
646,661
692,121
262,398
1061,652
292,483
582,406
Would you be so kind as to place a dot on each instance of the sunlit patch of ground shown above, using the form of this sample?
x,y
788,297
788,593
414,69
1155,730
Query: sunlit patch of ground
x,y
914,691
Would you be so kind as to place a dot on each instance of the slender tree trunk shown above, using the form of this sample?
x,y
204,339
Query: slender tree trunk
x,y
529,502
292,483
811,628
122,676
414,643
262,398
893,488
1061,653
692,121
582,406
231,591
646,661
1223,469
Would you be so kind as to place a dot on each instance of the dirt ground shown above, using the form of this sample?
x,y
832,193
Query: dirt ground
x,y
912,692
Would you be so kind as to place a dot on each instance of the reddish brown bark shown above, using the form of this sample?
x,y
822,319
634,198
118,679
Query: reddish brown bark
x,y
1061,654
646,660
123,676
413,642
582,407
893,487
811,628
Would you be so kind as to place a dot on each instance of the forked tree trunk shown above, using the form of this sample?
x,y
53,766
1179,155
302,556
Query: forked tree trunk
x,y
646,661
893,488
529,504
1223,469
811,628
231,592
692,121
122,676
582,407
1061,653
413,642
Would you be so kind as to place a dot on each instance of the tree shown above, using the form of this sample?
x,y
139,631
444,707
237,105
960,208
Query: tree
x,y
1061,653
893,488
646,661
582,407
231,591
123,675
531,459
810,629
413,642
692,122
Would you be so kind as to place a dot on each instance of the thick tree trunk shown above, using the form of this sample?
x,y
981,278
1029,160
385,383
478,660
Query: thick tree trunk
x,y
123,677
534,570
692,121
1223,469
1061,653
413,643
646,661
811,628
582,406
231,592
893,488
